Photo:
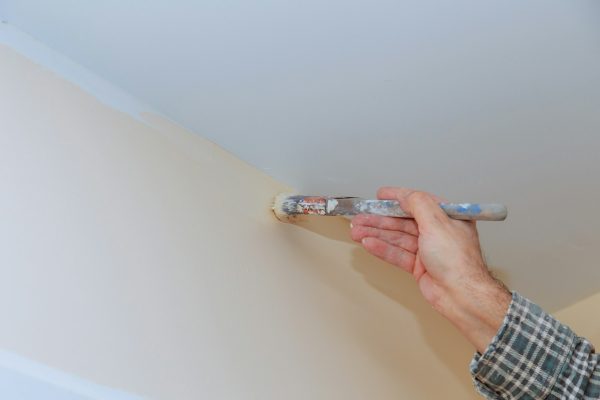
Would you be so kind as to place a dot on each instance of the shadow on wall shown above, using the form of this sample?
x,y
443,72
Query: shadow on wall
x,y
450,348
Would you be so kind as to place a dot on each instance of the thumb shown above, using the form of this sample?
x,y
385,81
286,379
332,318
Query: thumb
x,y
424,208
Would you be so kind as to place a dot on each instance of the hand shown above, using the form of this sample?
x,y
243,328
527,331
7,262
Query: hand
x,y
444,256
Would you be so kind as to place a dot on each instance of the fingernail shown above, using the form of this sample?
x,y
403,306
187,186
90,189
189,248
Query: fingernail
x,y
351,226
363,241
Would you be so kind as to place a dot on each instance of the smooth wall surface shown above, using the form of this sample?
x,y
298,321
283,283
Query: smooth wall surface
x,y
144,258
582,317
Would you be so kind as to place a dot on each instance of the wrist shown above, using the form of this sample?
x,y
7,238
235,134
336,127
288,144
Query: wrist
x,y
477,309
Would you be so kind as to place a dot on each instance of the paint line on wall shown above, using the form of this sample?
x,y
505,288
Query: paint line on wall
x,y
31,380
69,70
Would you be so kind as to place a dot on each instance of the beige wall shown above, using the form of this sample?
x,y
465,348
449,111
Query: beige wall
x,y
582,317
142,257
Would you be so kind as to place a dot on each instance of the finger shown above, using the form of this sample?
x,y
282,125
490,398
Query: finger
x,y
392,254
393,193
399,193
389,223
402,194
425,209
395,238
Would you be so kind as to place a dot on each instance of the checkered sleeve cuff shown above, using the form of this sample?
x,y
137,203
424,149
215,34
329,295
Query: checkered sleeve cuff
x,y
527,355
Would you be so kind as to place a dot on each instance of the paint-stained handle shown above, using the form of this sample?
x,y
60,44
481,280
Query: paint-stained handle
x,y
475,211
464,211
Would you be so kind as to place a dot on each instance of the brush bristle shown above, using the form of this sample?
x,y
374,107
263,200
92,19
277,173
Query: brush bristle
x,y
282,206
294,206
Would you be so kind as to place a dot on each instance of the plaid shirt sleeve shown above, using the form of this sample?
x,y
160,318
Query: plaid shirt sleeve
x,y
533,356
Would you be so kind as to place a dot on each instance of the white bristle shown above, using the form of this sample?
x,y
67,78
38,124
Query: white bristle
x,y
278,207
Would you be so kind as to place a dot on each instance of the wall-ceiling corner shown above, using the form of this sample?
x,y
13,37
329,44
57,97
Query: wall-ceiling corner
x,y
105,91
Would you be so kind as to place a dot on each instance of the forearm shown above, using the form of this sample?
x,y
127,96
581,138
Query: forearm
x,y
477,310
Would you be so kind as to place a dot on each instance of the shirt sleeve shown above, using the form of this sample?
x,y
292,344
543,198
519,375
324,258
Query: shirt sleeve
x,y
533,356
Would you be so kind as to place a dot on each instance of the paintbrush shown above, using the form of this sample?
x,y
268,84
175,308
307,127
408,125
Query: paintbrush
x,y
288,205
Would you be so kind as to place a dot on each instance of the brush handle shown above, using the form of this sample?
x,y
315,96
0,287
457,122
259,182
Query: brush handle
x,y
464,211
475,211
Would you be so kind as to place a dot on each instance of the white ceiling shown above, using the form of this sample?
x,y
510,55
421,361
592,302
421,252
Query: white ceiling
x,y
477,101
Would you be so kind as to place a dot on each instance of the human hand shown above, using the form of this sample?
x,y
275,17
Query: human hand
x,y
443,255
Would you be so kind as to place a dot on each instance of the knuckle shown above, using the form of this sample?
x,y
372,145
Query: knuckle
x,y
360,232
409,244
355,233
362,218
382,190
419,196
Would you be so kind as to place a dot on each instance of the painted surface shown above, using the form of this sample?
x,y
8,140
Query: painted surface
x,y
477,101
127,261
